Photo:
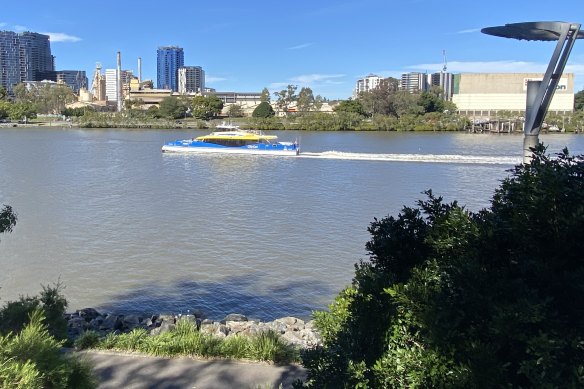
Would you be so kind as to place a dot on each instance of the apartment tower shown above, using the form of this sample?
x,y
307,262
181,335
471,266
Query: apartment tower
x,y
169,60
24,56
191,79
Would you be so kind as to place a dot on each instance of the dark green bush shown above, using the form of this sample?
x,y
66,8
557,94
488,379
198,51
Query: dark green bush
x,y
455,299
14,315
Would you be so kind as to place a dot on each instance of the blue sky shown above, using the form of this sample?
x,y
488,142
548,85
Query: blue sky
x,y
245,46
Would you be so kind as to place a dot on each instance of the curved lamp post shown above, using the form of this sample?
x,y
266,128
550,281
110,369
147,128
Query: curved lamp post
x,y
540,93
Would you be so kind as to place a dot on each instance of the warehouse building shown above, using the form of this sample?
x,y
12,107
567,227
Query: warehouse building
x,y
485,95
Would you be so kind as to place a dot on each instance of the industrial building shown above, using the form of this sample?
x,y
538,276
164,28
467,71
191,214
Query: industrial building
x,y
485,95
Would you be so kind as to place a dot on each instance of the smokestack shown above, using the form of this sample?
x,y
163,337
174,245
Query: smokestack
x,y
139,69
119,81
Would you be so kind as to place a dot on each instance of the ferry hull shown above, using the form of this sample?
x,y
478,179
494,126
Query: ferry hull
x,y
228,150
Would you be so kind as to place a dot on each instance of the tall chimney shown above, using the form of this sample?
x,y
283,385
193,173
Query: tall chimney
x,y
119,81
139,69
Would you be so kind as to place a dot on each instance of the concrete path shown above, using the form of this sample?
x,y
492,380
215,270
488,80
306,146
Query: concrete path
x,y
138,372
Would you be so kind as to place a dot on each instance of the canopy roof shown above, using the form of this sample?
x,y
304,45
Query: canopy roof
x,y
531,31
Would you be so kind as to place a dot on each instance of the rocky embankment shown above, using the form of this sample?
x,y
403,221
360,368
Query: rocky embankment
x,y
292,330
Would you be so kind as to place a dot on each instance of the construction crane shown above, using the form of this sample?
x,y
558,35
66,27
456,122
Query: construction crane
x,y
444,60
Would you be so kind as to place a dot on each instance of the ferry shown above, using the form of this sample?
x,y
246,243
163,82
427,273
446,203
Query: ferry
x,y
231,139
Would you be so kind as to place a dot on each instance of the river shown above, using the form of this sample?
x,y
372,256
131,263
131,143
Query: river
x,y
127,228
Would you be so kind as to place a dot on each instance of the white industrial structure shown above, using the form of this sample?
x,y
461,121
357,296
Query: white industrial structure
x,y
484,95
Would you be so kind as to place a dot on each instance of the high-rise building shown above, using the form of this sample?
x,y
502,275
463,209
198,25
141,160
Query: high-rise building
x,y
366,84
111,85
75,79
191,79
24,56
413,82
169,60
444,81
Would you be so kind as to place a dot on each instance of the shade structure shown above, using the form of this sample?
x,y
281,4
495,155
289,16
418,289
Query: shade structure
x,y
538,99
532,31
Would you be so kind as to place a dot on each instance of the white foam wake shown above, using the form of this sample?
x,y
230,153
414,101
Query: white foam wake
x,y
430,158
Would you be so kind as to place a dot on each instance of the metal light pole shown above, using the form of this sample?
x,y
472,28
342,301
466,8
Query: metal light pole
x,y
540,93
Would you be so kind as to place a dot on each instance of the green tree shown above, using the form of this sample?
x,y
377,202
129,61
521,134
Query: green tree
x,y
263,110
318,102
265,96
431,101
19,111
47,98
305,100
7,219
352,106
455,299
380,100
579,101
206,107
235,111
3,93
172,107
286,97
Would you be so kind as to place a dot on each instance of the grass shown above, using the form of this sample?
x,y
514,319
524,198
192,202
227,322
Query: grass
x,y
187,340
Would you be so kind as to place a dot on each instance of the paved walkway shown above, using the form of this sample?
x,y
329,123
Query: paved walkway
x,y
138,372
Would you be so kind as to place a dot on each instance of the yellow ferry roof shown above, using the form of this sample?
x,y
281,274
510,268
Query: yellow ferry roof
x,y
236,135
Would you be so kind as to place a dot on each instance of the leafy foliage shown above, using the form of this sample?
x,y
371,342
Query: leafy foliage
x,y
186,339
33,359
172,107
14,314
76,111
235,111
7,219
351,106
450,298
263,110
46,99
206,107
579,100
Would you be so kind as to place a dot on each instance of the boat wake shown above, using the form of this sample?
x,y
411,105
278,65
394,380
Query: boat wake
x,y
429,158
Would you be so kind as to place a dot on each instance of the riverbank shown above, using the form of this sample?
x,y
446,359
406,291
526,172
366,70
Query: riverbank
x,y
292,330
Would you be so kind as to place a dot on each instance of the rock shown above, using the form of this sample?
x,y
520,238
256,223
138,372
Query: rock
x,y
234,317
222,330
164,327
131,321
111,323
88,313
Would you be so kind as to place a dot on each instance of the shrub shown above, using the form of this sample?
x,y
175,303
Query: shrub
x,y
86,340
451,298
33,358
263,110
14,314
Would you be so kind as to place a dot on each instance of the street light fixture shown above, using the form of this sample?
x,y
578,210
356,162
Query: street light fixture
x,y
540,93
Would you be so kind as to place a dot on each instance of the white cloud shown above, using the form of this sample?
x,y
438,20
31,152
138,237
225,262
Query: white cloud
x,y
318,78
21,28
61,37
301,46
3,24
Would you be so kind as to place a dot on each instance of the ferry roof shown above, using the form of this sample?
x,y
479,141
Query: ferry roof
x,y
245,135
